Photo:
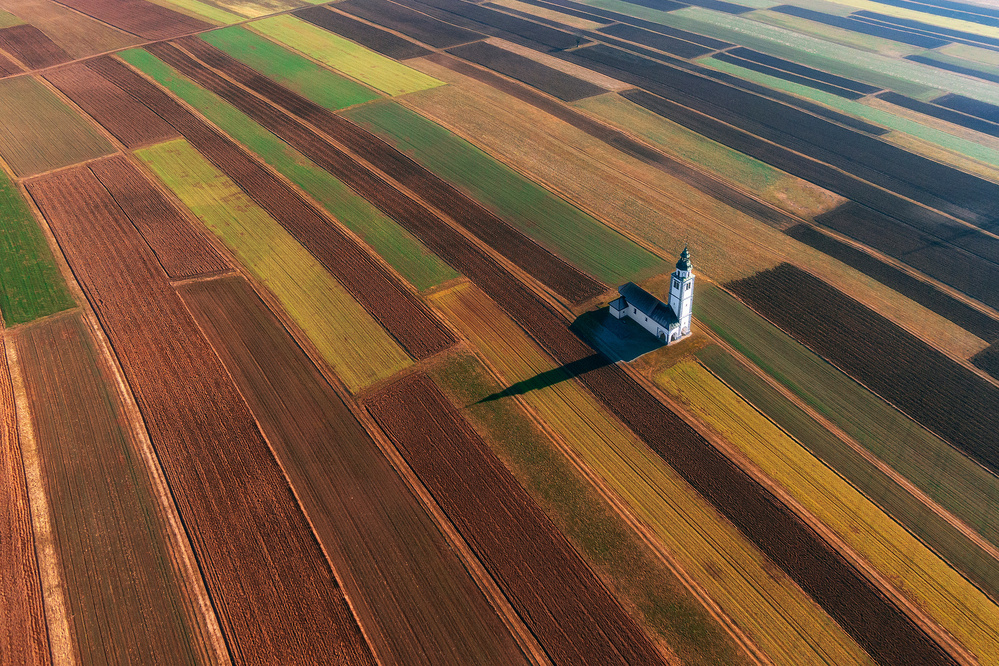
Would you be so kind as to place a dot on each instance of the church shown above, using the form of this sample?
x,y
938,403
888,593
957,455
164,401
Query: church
x,y
669,322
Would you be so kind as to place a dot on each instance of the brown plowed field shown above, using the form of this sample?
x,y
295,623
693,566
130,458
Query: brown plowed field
x,y
104,514
179,246
32,46
275,595
130,122
934,390
573,616
401,313
8,66
412,593
139,17
22,619
546,267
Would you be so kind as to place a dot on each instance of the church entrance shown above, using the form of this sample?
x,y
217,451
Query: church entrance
x,y
662,336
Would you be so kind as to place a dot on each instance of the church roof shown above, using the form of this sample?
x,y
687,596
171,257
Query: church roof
x,y
683,263
648,305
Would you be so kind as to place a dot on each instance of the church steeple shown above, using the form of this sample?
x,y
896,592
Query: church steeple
x,y
681,292
683,264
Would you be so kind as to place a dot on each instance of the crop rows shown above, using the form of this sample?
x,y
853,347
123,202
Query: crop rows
x,y
411,23
8,66
934,390
230,492
376,39
539,262
22,620
31,46
144,19
402,314
575,618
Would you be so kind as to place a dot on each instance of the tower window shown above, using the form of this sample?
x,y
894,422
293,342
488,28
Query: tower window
x,y
676,285
688,287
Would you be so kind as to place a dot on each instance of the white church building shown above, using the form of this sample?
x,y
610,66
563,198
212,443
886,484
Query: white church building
x,y
668,322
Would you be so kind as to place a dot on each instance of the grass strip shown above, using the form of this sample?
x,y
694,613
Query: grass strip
x,y
403,252
355,345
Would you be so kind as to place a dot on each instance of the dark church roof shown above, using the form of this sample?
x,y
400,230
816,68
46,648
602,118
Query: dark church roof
x,y
683,263
648,305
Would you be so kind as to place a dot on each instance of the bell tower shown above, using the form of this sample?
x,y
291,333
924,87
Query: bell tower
x,y
681,291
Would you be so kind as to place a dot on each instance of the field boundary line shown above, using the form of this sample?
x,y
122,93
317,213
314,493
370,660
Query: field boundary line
x,y
60,636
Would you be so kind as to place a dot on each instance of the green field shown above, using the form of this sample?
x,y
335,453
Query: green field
x,y
933,530
952,480
833,34
30,283
289,69
548,219
38,132
371,68
403,252
348,338
857,109
212,13
8,20
989,68
966,52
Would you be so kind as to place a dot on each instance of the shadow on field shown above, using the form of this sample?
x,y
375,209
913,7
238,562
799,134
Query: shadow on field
x,y
552,377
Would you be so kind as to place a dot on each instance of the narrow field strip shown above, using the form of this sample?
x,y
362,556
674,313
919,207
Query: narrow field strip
x,y
143,19
397,247
349,339
23,631
30,283
38,132
32,47
568,609
104,514
782,621
79,34
411,592
932,585
371,68
264,571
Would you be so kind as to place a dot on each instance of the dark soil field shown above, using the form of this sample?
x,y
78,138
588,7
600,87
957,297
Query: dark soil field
x,y
179,246
918,27
970,106
143,19
105,518
951,67
32,46
410,590
8,66
787,76
579,11
544,78
862,27
965,316
23,631
128,120
809,72
494,23
667,43
988,360
380,292
411,23
573,616
934,390
935,111
549,269
263,568
376,39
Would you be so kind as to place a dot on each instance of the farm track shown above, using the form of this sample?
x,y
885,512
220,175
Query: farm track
x,y
264,571
23,630
8,67
32,46
573,616
946,397
378,291
413,596
106,524
547,268
129,121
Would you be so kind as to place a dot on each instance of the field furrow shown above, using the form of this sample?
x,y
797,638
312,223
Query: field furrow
x,y
138,17
32,46
263,568
571,613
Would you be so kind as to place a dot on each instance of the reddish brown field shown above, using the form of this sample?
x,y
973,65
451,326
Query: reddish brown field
x,y
105,517
275,595
547,268
573,616
412,593
140,18
181,248
32,46
8,66
22,618
129,121
401,313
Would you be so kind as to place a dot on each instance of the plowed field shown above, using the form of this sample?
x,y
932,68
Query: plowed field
x,y
409,589
263,569
178,245
129,121
934,390
32,46
105,517
22,619
402,314
545,266
144,19
8,66
573,616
